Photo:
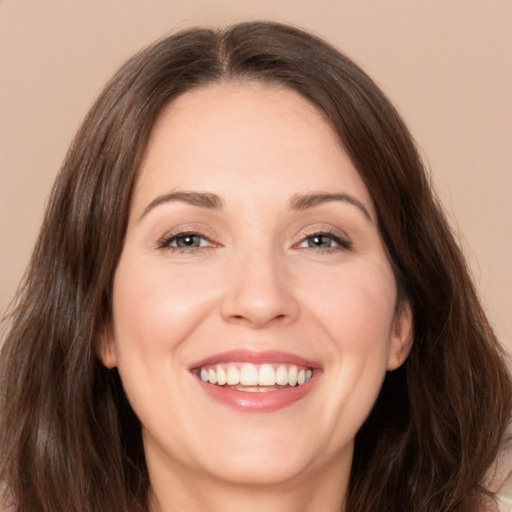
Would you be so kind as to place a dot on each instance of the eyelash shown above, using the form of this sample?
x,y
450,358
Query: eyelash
x,y
342,243
166,241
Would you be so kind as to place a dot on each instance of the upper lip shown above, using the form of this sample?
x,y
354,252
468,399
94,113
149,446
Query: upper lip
x,y
256,357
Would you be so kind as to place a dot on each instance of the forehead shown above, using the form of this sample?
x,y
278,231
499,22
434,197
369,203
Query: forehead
x,y
224,135
243,96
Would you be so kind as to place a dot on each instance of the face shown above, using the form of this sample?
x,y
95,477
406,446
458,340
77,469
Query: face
x,y
254,306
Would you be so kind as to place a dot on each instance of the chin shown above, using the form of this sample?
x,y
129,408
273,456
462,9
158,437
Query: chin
x,y
258,459
259,469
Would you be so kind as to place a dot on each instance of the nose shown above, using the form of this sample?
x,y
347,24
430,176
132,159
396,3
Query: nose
x,y
260,292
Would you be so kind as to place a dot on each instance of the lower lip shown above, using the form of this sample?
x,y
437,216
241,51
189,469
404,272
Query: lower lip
x,y
267,401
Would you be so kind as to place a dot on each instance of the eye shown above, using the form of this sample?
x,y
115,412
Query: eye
x,y
324,241
318,241
184,241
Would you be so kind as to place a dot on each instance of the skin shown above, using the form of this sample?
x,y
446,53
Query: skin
x,y
254,282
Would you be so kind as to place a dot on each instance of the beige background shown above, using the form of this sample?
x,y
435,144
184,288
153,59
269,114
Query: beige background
x,y
446,65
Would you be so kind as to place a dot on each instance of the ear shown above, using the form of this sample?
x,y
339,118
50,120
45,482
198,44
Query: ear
x,y
401,336
106,349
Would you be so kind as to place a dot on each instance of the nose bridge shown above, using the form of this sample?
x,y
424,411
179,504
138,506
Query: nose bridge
x,y
259,288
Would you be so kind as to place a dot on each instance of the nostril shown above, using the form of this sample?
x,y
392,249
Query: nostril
x,y
259,301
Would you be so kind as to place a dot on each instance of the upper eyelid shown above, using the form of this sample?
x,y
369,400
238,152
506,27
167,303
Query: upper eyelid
x,y
169,236
191,228
339,236
328,231
184,234
339,241
211,237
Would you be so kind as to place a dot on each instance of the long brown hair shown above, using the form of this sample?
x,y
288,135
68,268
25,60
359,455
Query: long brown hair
x,y
68,437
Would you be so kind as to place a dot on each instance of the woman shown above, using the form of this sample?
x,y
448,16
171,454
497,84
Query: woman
x,y
245,295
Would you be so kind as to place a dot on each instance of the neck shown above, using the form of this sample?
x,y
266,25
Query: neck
x,y
309,492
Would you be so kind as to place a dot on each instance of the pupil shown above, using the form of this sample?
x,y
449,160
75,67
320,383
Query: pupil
x,y
187,241
319,241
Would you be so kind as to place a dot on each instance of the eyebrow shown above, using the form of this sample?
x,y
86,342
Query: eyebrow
x,y
303,202
200,199
214,202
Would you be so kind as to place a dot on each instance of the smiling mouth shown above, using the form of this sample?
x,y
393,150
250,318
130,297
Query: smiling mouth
x,y
252,381
254,378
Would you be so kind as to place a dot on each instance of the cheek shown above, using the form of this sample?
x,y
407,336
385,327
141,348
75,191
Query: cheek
x,y
356,306
155,312
356,312
156,308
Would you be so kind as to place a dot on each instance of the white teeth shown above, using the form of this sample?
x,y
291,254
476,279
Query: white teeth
x,y
212,376
248,375
255,377
267,375
221,376
232,376
282,375
292,375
